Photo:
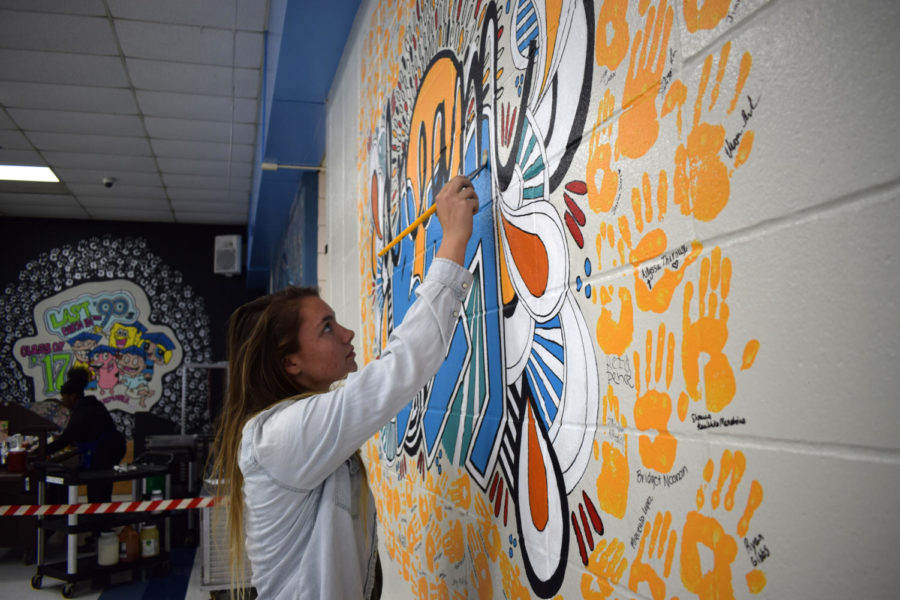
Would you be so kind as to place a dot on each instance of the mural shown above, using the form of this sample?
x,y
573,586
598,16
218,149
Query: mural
x,y
102,327
599,324
112,303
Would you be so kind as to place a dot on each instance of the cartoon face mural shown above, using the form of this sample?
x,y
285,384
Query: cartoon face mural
x,y
575,109
103,326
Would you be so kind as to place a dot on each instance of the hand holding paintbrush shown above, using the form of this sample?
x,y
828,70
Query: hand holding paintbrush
x,y
431,209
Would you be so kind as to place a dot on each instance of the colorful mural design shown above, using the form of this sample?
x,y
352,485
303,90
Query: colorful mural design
x,y
141,302
102,327
599,324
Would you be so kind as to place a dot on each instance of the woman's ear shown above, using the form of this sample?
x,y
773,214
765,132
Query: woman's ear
x,y
292,365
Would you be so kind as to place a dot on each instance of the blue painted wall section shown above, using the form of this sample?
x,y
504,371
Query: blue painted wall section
x,y
304,43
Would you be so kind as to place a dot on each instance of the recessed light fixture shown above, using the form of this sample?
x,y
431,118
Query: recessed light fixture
x,y
23,173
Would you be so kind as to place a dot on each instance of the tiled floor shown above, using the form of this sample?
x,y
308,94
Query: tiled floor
x,y
181,581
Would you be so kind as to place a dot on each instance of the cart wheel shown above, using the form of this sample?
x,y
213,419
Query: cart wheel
x,y
36,581
68,590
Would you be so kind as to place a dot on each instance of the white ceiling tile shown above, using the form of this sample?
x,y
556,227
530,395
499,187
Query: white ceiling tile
x,y
128,214
67,97
37,199
204,167
250,14
10,139
100,144
192,106
57,67
222,218
200,131
188,78
123,192
44,212
215,183
90,202
77,122
103,162
123,178
5,123
72,7
21,157
248,49
178,43
57,33
178,194
202,150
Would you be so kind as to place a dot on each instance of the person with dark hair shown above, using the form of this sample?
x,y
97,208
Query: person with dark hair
x,y
287,446
92,430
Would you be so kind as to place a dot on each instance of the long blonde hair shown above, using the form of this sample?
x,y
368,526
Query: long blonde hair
x,y
260,334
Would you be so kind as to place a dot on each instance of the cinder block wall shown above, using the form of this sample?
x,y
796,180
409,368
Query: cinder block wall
x,y
680,376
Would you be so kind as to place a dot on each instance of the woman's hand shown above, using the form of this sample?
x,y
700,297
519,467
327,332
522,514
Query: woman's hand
x,y
456,203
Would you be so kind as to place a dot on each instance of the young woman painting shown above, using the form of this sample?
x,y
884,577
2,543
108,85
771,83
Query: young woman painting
x,y
297,497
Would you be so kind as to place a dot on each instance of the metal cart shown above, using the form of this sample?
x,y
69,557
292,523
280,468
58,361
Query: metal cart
x,y
80,568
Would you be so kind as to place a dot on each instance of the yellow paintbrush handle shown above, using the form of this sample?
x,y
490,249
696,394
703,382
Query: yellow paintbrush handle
x,y
423,216
408,230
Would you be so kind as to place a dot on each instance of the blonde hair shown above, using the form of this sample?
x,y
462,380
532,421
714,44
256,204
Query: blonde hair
x,y
260,335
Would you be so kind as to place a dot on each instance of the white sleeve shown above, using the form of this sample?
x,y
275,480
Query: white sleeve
x,y
300,443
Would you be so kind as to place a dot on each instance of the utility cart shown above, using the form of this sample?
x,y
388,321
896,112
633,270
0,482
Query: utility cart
x,y
75,567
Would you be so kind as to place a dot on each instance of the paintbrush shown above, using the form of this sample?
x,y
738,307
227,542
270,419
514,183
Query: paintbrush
x,y
431,210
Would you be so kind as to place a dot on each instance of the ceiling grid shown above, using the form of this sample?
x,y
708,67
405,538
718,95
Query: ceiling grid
x,y
163,96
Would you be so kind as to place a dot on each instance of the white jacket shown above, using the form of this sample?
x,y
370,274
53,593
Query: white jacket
x,y
309,515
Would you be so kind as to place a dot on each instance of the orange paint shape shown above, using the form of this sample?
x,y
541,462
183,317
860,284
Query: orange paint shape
x,y
756,581
537,477
750,351
530,257
754,499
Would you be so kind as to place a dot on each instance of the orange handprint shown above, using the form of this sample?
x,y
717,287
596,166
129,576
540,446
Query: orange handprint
x,y
481,571
709,531
511,576
702,181
707,335
707,17
643,571
602,180
614,335
605,568
612,15
653,408
654,283
638,125
460,492
612,483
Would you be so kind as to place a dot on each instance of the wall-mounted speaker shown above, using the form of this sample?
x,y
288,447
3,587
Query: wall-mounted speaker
x,y
227,258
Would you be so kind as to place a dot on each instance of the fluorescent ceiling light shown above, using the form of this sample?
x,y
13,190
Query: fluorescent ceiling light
x,y
22,173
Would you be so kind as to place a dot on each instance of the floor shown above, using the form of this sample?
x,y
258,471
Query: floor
x,y
181,581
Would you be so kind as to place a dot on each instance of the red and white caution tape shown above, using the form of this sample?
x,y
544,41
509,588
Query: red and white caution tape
x,y
99,508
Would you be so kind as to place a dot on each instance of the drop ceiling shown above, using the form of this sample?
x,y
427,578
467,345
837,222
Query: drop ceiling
x,y
161,95
166,97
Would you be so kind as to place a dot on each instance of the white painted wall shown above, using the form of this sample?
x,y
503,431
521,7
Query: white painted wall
x,y
811,229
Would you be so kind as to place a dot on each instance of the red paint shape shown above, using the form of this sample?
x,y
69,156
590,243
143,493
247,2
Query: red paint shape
x,y
577,187
576,210
581,550
587,528
494,485
573,229
498,499
595,517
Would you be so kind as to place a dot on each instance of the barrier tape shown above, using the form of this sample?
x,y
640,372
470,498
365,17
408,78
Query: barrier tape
x,y
102,508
